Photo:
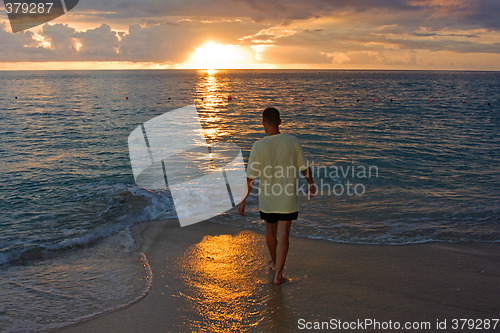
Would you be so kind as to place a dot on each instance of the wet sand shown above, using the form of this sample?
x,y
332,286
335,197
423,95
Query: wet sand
x,y
212,277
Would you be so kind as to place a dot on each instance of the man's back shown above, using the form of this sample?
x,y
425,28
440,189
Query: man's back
x,y
276,159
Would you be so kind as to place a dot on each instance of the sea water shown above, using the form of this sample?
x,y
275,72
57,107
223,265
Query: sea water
x,y
399,157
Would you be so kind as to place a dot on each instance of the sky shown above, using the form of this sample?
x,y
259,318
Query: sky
x,y
330,34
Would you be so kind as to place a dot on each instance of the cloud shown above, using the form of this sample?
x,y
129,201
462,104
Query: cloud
x,y
20,46
62,40
158,43
443,13
290,54
98,44
323,32
174,42
163,43
461,13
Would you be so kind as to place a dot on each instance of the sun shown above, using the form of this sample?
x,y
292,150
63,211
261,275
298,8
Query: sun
x,y
218,56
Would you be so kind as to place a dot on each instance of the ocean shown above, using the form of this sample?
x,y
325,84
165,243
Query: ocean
x,y
399,157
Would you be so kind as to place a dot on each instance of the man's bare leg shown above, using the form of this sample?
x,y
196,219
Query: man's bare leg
x,y
281,249
271,243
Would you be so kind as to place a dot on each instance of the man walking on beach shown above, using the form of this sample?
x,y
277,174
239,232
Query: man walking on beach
x,y
276,159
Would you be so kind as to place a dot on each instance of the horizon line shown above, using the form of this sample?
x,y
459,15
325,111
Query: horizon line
x,y
250,69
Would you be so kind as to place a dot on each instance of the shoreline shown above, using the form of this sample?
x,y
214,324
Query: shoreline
x,y
211,276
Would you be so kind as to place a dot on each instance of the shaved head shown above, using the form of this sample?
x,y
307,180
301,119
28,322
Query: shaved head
x,y
271,116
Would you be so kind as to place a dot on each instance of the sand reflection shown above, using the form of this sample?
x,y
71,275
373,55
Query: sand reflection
x,y
225,280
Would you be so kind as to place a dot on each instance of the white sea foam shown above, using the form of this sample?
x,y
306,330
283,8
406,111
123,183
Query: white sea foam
x,y
74,286
125,206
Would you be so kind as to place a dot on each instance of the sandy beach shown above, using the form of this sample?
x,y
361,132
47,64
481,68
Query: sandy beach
x,y
212,277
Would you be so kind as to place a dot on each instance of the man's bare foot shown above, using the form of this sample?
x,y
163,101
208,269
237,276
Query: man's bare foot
x,y
280,280
271,265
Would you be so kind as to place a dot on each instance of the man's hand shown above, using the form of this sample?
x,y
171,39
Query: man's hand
x,y
241,208
311,190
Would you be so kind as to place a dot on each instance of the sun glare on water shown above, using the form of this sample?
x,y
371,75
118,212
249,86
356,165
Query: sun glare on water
x,y
218,56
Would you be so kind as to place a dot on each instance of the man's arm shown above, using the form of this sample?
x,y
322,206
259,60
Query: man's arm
x,y
311,188
241,206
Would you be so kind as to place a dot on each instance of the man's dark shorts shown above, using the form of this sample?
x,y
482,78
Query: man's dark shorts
x,y
275,217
